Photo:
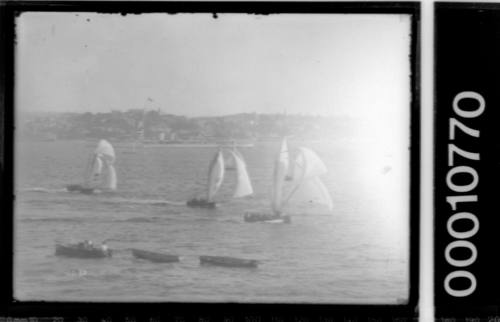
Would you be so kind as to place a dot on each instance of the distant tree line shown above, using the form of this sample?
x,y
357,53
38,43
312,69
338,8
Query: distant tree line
x,y
137,124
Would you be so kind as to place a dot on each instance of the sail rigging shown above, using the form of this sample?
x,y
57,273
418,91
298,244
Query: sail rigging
x,y
215,175
244,185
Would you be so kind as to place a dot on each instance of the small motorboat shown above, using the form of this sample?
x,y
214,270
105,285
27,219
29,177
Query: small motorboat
x,y
82,250
252,217
79,188
154,257
228,261
200,203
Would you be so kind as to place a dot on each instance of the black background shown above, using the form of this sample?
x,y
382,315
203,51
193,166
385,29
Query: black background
x,y
467,58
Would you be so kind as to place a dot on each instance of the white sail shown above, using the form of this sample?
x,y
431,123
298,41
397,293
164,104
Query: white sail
x,y
313,190
104,154
110,177
308,164
105,150
243,186
215,175
308,167
280,170
323,193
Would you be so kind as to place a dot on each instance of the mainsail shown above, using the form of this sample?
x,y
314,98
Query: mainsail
x,y
215,175
243,186
280,170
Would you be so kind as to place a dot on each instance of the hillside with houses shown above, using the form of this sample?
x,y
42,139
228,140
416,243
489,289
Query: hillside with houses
x,y
137,124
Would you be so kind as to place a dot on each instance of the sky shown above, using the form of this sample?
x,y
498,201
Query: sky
x,y
192,64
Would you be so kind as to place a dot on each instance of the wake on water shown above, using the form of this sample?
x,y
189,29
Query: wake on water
x,y
45,190
158,202
144,202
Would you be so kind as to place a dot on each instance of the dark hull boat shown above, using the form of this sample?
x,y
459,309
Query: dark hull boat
x,y
252,217
81,251
79,188
228,261
200,203
155,257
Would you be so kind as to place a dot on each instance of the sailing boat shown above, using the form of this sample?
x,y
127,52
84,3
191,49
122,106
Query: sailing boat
x,y
215,177
216,172
100,172
308,167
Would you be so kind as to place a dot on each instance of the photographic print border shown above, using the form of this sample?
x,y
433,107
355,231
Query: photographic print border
x,y
201,311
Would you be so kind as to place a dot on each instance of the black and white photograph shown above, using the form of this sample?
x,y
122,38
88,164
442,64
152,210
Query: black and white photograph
x,y
213,157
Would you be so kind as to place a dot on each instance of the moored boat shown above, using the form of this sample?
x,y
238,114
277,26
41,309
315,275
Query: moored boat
x,y
154,257
79,188
226,261
82,250
200,203
252,217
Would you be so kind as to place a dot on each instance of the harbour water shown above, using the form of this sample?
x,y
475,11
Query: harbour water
x,y
359,253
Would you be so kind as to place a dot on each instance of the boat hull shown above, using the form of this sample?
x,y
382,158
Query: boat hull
x,y
252,217
228,261
78,251
154,257
79,188
200,203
